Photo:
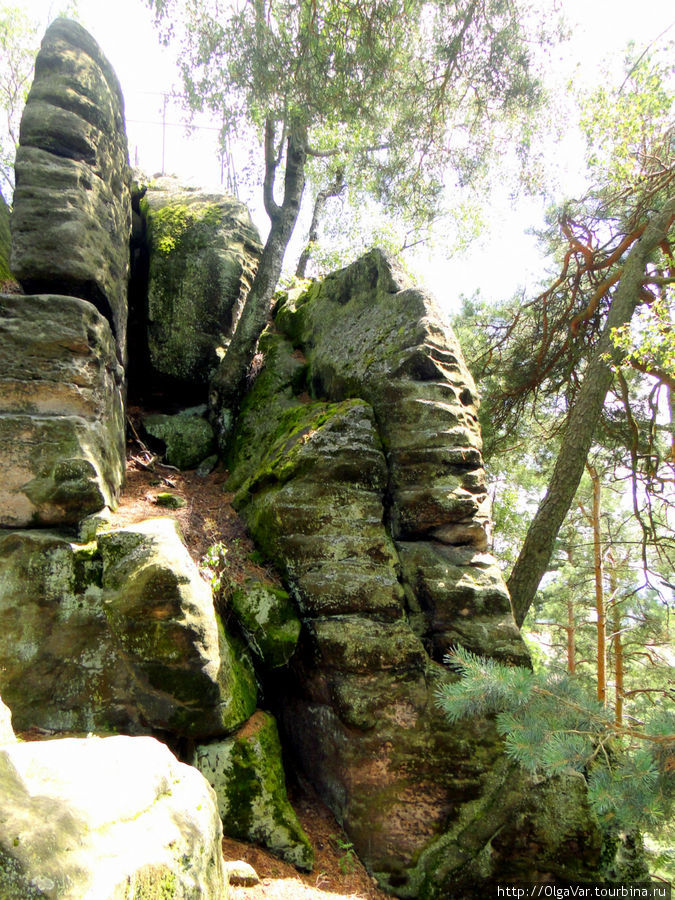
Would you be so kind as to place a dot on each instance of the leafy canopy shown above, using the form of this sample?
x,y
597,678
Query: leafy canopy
x,y
394,92
18,46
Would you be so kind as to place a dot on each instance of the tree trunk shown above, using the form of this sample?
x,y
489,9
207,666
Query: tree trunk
x,y
617,642
333,189
571,628
584,415
228,384
571,638
601,621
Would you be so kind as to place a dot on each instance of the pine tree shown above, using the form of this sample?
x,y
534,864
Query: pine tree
x,y
551,725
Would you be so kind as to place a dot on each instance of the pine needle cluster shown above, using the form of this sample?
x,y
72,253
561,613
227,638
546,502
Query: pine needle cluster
x,y
551,726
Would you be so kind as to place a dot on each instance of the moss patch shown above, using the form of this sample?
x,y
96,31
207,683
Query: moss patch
x,y
247,775
267,616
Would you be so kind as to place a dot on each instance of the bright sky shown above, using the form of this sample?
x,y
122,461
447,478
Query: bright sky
x,y
503,259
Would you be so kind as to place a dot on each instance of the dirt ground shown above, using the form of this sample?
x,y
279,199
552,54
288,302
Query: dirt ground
x,y
208,518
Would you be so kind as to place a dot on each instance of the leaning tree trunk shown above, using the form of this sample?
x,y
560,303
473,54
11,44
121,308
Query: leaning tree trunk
x,y
333,189
584,416
228,384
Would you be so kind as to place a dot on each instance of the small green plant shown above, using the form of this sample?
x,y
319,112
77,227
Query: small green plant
x,y
214,565
551,726
257,557
347,860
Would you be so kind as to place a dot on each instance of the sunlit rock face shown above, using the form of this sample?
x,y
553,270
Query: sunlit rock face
x,y
356,464
71,217
107,819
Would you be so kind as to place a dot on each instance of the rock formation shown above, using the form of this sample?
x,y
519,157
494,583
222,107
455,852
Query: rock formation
x,y
246,773
5,275
203,253
356,462
117,634
61,411
371,501
71,216
106,819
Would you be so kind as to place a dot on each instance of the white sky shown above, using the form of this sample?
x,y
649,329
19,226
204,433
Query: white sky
x,y
502,260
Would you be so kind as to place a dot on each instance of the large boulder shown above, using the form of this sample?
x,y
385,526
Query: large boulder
x,y
371,501
187,437
204,251
71,217
118,634
61,411
106,819
246,772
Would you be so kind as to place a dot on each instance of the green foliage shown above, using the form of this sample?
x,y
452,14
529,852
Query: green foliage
x,y
551,726
348,858
18,46
390,94
214,565
648,341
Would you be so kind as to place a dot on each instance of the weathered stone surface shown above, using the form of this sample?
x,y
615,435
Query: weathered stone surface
x,y
61,411
248,777
368,333
118,634
6,730
268,619
71,217
187,437
190,678
241,873
372,503
204,251
463,599
107,819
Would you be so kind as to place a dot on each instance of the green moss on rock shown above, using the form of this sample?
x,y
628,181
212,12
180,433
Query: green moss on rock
x,y
188,438
247,775
268,619
203,252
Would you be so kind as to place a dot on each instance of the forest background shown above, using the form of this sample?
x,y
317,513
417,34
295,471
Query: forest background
x,y
572,346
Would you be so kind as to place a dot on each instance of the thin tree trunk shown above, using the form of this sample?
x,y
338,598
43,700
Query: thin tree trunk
x,y
571,628
601,621
617,642
228,384
618,666
333,189
571,638
584,416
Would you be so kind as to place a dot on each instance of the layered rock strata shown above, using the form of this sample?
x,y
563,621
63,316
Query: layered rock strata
x,y
372,503
71,217
61,411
